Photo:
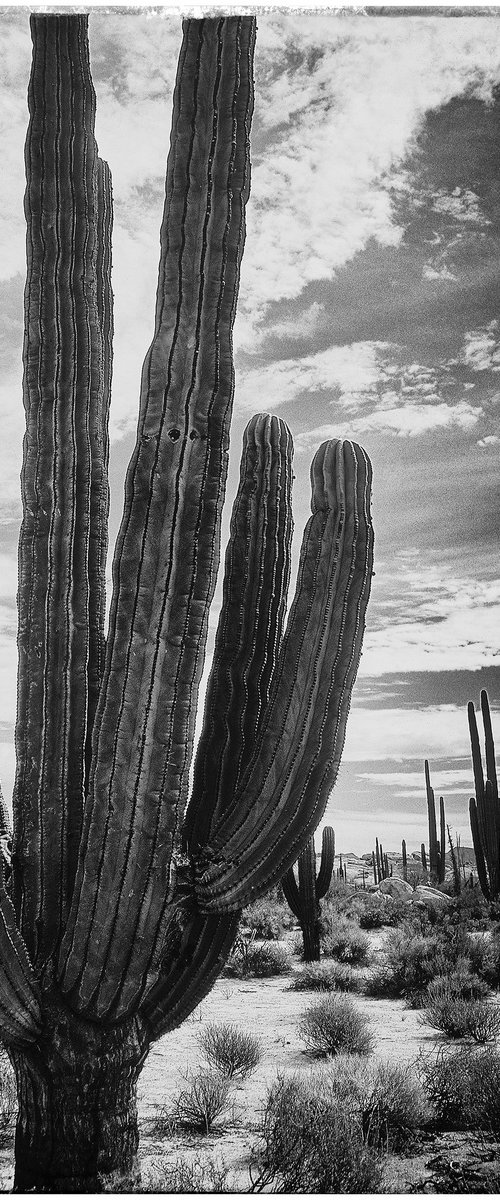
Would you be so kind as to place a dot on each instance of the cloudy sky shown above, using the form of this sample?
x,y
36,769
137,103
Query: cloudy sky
x,y
368,308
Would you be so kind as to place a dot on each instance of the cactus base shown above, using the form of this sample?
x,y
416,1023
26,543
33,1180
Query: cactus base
x,y
77,1124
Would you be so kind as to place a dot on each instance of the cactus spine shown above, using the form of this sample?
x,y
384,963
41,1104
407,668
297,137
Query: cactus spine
x,y
437,848
484,808
304,897
124,902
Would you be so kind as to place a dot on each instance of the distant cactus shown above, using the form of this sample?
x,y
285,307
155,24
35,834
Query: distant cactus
x,y
455,864
437,848
405,860
304,898
484,808
423,856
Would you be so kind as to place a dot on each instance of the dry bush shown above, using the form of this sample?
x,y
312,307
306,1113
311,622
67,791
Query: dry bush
x,y
262,962
196,1175
387,1098
311,1144
463,1087
324,977
231,1051
343,940
413,959
267,918
203,1102
457,1017
334,1026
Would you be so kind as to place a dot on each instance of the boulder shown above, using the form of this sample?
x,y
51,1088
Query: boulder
x,y
396,887
431,897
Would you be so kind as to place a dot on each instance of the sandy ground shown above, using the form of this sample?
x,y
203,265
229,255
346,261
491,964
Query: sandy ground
x,y
268,1009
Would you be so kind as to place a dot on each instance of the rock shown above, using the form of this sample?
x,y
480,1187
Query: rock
x,y
395,887
431,897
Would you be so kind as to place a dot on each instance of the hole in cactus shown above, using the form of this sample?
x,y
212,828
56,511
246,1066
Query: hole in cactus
x,y
193,435
174,434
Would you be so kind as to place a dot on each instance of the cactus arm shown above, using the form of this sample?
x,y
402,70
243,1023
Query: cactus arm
x,y
291,893
477,765
99,441
491,770
478,850
431,813
442,841
192,972
167,548
61,381
250,624
327,860
285,789
20,1017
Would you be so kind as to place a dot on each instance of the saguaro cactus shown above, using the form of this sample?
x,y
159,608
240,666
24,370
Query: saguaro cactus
x,y
123,904
304,898
484,808
437,848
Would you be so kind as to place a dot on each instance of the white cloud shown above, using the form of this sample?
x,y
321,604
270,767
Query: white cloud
x,y
353,370
437,731
481,349
404,420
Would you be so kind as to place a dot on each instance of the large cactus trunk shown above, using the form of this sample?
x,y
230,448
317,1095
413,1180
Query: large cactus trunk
x,y
124,900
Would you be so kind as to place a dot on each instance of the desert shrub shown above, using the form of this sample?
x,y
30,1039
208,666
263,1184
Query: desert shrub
x,y
449,1012
377,913
247,959
333,1025
195,1175
463,1087
461,984
412,960
8,1095
311,1144
229,1049
387,1098
344,940
202,1102
324,977
266,917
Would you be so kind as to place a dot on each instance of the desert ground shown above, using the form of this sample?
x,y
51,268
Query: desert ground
x,y
436,1160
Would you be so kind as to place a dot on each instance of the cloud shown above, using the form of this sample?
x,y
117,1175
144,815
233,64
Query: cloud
x,y
481,350
397,734
412,420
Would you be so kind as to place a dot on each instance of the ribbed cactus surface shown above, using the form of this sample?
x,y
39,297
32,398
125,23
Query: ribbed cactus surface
x,y
124,898
484,807
305,894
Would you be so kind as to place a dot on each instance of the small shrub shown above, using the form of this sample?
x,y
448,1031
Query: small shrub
x,y
463,1087
334,1026
230,1050
344,940
203,1102
311,1144
460,984
264,961
196,1175
324,977
266,918
377,913
388,1099
458,1017
412,960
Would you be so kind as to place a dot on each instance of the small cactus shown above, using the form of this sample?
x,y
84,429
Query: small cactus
x,y
304,899
405,860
